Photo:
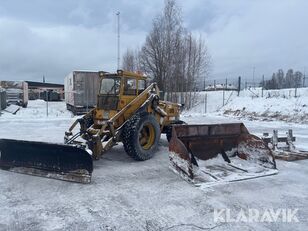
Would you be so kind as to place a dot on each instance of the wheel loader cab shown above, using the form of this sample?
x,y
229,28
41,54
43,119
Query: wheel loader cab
x,y
116,91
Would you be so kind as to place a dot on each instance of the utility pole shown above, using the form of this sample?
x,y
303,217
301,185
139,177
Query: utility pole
x,y
295,94
239,86
87,95
205,102
304,78
223,93
262,85
47,93
118,18
204,83
223,96
253,76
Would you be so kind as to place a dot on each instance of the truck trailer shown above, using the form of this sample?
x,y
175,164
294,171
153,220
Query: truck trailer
x,y
81,89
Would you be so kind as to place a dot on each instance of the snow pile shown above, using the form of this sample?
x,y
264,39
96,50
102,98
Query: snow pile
x,y
38,109
32,123
288,105
274,105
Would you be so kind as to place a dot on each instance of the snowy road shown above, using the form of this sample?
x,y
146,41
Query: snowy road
x,y
130,195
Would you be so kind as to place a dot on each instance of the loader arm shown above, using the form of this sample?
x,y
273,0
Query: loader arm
x,y
148,90
75,123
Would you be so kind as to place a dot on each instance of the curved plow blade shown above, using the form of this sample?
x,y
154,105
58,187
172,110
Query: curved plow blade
x,y
219,153
57,161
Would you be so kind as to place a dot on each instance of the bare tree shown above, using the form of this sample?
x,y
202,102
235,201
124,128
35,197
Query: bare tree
x,y
175,59
131,60
161,46
279,81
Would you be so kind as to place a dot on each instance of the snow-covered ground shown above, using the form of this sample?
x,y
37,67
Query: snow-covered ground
x,y
281,105
129,195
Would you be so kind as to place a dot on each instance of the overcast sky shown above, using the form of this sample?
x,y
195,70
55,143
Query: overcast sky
x,y
54,37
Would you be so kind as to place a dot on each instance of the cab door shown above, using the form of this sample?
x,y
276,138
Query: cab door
x,y
129,91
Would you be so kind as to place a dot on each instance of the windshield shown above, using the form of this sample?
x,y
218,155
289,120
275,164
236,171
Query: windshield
x,y
110,86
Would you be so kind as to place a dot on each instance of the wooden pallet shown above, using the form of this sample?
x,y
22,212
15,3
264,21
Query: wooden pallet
x,y
291,156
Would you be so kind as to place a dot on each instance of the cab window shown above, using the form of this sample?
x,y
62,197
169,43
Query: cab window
x,y
130,86
110,86
141,86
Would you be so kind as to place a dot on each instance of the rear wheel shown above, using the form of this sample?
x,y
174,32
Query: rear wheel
x,y
140,136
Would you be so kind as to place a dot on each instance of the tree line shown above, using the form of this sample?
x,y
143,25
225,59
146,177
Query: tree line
x,y
174,57
280,80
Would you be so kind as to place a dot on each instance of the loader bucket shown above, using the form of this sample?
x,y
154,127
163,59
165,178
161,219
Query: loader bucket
x,y
57,161
219,153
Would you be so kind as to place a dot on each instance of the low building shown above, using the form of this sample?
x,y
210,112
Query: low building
x,y
219,87
50,91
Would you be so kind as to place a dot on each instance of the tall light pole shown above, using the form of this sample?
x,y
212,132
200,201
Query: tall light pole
x,y
118,18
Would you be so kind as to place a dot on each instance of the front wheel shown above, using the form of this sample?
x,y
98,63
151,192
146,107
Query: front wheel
x,y
141,136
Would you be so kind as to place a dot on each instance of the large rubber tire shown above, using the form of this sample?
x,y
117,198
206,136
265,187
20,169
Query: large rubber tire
x,y
137,145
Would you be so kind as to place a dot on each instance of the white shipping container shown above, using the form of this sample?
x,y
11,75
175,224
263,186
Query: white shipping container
x,y
81,89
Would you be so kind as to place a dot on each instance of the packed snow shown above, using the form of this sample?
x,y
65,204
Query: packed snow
x,y
129,195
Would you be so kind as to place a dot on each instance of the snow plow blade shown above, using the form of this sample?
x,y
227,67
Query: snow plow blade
x,y
56,161
219,153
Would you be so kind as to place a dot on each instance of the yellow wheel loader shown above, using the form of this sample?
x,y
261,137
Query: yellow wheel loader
x,y
131,112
